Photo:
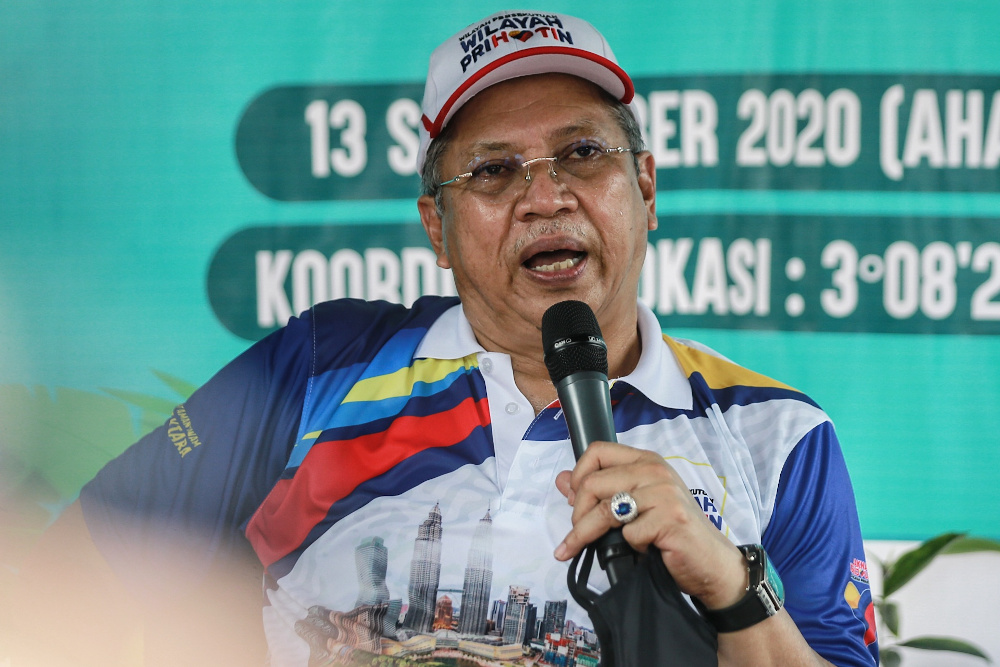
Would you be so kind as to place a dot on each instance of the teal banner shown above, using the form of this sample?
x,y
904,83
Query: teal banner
x,y
776,131
261,276
299,143
793,273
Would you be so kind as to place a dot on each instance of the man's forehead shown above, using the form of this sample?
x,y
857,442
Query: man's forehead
x,y
552,107
584,128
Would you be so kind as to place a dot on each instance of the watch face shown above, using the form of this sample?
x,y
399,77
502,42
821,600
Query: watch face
x,y
774,581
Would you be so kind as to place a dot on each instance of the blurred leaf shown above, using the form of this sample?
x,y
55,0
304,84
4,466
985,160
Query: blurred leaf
x,y
914,561
945,644
889,612
53,441
51,444
149,421
63,437
965,545
889,657
183,388
883,566
154,404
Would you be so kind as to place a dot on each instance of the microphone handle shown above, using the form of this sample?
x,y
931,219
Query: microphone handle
x,y
586,404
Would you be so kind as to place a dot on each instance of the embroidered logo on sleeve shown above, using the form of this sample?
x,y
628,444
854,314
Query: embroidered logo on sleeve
x,y
181,433
858,595
859,571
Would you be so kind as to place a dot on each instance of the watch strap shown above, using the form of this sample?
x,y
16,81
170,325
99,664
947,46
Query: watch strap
x,y
760,602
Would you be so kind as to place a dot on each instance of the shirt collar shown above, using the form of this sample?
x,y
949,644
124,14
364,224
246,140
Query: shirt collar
x,y
658,375
449,337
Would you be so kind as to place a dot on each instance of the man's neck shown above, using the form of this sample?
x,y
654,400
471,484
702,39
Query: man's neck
x,y
527,359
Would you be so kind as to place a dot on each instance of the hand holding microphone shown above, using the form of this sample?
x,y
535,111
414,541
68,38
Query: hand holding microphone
x,y
577,360
704,563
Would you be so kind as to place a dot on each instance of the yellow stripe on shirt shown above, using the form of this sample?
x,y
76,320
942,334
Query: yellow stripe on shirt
x,y
400,383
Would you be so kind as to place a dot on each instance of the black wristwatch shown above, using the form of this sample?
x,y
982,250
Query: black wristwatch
x,y
764,596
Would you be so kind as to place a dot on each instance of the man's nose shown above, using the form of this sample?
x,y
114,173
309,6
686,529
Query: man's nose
x,y
541,196
549,162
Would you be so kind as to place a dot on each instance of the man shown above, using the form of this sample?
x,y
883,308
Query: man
x,y
385,462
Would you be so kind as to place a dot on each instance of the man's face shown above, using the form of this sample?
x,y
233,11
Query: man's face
x,y
550,239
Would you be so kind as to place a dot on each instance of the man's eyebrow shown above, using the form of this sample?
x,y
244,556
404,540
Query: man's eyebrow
x,y
586,127
489,146
583,127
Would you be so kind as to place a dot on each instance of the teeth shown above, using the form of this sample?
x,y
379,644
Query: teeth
x,y
558,266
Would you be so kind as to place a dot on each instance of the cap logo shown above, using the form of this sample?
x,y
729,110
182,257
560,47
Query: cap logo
x,y
505,28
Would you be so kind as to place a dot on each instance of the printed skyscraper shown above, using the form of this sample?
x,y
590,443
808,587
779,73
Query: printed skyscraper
x,y
425,572
371,559
478,580
554,617
516,619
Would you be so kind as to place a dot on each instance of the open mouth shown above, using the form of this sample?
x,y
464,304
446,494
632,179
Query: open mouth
x,y
553,261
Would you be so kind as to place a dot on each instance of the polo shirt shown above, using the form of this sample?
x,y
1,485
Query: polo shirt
x,y
399,489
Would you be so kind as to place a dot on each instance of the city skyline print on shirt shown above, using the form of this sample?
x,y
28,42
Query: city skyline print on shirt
x,y
482,622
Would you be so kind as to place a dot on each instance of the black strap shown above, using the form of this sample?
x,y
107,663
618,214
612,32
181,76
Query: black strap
x,y
577,577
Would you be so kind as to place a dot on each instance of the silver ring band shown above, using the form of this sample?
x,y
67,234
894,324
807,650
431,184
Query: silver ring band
x,y
624,507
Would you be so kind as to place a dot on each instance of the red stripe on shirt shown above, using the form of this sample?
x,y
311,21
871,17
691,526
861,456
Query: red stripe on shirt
x,y
334,468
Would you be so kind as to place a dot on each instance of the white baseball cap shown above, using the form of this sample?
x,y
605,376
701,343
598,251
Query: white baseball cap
x,y
511,44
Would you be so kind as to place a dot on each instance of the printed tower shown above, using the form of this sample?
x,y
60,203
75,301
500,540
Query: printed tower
x,y
371,559
554,617
478,580
425,571
515,621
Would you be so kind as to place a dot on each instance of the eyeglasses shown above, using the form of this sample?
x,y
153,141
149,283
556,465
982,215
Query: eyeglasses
x,y
509,175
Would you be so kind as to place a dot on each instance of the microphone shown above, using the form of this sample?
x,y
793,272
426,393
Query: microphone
x,y
576,357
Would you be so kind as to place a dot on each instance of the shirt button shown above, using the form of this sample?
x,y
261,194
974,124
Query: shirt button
x,y
511,408
487,366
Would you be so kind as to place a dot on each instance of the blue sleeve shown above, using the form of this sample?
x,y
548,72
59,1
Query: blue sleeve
x,y
177,500
814,541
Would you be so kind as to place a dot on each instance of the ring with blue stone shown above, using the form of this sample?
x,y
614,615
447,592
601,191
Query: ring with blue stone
x,y
624,507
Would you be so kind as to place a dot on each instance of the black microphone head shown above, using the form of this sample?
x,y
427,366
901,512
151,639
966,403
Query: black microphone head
x,y
572,341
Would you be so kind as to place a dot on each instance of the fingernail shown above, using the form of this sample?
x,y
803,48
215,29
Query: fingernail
x,y
562,551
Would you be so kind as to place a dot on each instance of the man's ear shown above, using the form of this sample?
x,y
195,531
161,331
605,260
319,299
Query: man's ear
x,y
434,226
647,185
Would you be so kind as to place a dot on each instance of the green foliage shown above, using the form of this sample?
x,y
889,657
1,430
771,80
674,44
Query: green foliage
x,y
890,657
888,610
911,563
908,565
54,440
59,439
945,644
180,387
965,545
